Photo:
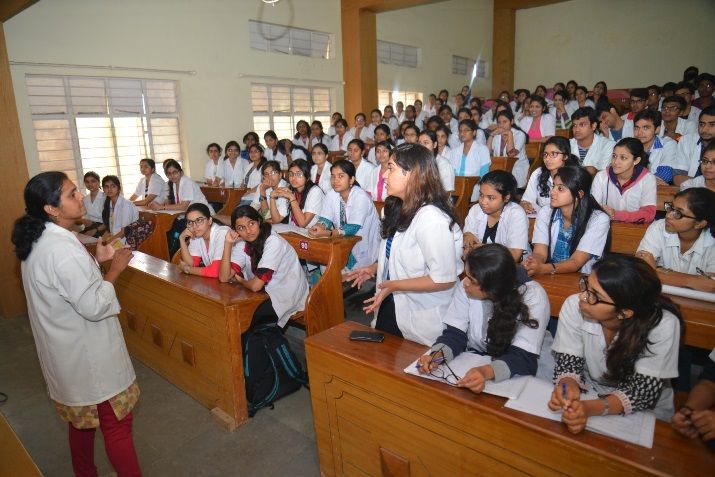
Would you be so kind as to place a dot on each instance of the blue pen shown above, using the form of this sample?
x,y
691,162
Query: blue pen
x,y
563,391
435,360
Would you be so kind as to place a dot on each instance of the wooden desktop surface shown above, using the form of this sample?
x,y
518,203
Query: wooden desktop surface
x,y
156,243
371,418
230,197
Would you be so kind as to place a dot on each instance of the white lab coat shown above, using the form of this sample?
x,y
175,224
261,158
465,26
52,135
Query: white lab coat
x,y
572,106
365,175
324,181
313,204
294,154
94,209
429,247
640,194
547,125
687,156
359,210
208,255
477,163
446,172
378,195
584,338
122,214
73,315
593,241
520,171
157,186
662,153
532,194
512,231
288,286
211,170
232,176
599,153
665,248
684,126
365,133
337,145
694,182
190,190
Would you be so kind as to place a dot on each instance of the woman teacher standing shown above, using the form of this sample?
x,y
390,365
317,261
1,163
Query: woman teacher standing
x,y
73,313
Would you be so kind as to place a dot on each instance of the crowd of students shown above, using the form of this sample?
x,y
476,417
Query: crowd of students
x,y
620,335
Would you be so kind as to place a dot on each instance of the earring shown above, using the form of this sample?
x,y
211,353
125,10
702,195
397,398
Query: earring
x,y
621,316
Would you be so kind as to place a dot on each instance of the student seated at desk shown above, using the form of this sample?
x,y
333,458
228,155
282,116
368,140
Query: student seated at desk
x,y
182,190
364,171
320,170
272,179
659,151
151,187
213,164
381,133
383,150
707,169
201,243
94,203
347,211
230,169
571,234
258,259
557,154
697,417
341,139
626,190
496,311
682,246
253,178
271,139
117,212
539,123
305,199
429,140
419,261
496,219
508,140
593,150
619,336
289,152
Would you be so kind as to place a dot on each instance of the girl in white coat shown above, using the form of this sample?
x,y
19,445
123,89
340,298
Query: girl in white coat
x,y
320,170
428,139
305,199
348,210
151,187
118,212
231,167
213,164
420,255
252,178
496,311
383,151
496,219
574,232
73,311
557,154
182,190
93,203
539,123
620,338
510,141
259,259
201,243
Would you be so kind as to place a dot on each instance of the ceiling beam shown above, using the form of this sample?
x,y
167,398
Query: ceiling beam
x,y
380,6
10,8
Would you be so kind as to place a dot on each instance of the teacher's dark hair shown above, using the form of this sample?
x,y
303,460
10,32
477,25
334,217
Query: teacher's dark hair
x,y
43,189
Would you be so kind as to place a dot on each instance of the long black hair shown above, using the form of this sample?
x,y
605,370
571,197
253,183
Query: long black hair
x,y
632,285
423,188
107,201
510,116
43,189
304,168
253,249
577,179
564,147
701,202
492,267
175,164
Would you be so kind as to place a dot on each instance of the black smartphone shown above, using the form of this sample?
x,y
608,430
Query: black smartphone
x,y
371,336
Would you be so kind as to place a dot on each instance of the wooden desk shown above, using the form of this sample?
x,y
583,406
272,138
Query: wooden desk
x,y
230,197
188,329
156,244
373,419
699,316
625,238
665,194
502,163
463,187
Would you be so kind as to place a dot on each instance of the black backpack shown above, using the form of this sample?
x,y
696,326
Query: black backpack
x,y
270,368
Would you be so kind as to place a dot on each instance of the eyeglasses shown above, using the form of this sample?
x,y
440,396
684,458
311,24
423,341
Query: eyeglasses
x,y
671,108
295,174
446,374
198,221
705,162
551,155
677,215
270,173
591,296
250,224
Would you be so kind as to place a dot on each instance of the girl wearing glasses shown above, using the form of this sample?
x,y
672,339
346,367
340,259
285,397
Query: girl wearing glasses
x,y
201,243
707,168
571,234
626,189
619,337
557,154
151,187
496,311
681,247
495,218
419,259
347,211
259,259
272,180
305,199
182,190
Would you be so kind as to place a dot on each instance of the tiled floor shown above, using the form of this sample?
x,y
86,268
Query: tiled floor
x,y
174,435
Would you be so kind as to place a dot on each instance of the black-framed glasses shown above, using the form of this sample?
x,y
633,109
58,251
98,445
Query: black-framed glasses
x,y
705,162
552,154
198,221
670,208
443,371
592,297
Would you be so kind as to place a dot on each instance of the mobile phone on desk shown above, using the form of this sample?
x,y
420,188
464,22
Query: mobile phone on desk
x,y
371,336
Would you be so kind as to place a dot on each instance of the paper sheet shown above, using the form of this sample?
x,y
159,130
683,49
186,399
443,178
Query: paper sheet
x,y
285,228
637,428
510,388
689,293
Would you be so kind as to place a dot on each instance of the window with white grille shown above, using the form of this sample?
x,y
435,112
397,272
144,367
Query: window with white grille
x,y
385,97
466,67
396,54
105,125
280,107
290,41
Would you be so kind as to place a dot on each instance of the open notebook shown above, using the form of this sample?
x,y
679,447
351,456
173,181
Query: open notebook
x,y
284,228
637,428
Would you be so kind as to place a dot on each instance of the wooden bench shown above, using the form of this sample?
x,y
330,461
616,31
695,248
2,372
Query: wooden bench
x,y
567,133
502,163
665,194
230,197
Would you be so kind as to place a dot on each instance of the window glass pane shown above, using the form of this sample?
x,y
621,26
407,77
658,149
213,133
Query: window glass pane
x,y
301,100
259,97
300,42
280,99
320,45
279,38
